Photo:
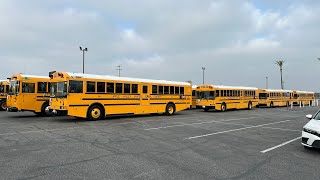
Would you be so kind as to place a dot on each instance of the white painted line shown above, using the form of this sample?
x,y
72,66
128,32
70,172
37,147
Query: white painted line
x,y
232,130
191,124
275,147
282,129
36,131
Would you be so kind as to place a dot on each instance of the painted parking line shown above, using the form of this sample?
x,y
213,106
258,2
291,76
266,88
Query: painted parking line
x,y
280,145
191,124
37,131
282,129
232,130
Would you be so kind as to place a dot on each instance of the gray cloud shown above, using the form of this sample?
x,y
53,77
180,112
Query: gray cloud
x,y
238,41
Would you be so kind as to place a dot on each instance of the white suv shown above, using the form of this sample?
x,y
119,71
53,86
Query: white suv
x,y
311,132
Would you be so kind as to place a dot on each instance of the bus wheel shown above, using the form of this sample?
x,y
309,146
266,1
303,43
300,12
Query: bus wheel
x,y
271,104
206,109
3,105
223,107
43,109
250,105
170,109
95,112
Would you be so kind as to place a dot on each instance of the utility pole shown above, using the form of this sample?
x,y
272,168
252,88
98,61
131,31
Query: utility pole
x,y
119,69
203,68
267,83
83,50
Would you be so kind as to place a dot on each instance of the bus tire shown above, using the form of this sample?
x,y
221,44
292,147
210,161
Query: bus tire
x,y
206,109
43,109
250,105
170,109
95,112
223,107
271,104
3,105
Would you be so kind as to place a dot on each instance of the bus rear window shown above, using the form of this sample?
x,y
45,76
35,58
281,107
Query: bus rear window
x,y
75,86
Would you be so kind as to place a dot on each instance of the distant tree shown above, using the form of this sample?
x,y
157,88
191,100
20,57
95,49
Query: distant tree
x,y
280,64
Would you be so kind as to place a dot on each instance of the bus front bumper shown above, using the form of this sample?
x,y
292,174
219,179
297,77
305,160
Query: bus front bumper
x,y
12,109
205,107
58,112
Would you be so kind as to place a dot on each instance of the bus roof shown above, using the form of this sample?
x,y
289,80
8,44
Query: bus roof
x,y
4,81
235,87
108,77
194,86
305,92
278,90
33,76
29,76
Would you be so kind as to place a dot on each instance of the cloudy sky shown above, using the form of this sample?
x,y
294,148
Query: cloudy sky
x,y
238,41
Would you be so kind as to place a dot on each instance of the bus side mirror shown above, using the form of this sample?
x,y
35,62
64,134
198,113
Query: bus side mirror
x,y
309,116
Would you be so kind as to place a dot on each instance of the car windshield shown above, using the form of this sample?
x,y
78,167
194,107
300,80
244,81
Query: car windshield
x,y
317,116
58,89
206,95
14,87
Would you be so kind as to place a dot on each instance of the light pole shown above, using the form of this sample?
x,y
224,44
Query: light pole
x,y
83,50
280,64
267,84
119,69
203,68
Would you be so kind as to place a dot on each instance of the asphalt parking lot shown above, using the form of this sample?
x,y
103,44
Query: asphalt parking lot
x,y
258,144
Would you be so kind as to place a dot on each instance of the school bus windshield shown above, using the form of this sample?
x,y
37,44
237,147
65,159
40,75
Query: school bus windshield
x,y
58,89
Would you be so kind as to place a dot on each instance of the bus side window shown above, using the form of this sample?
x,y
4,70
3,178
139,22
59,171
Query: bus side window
x,y
181,90
217,93
171,89
118,87
42,87
160,89
75,86
166,89
110,87
193,93
91,86
127,88
28,87
134,88
154,89
101,87
176,91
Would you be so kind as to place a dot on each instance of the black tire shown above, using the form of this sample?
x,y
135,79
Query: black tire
x,y
170,109
249,105
95,112
223,107
307,148
3,106
43,109
206,109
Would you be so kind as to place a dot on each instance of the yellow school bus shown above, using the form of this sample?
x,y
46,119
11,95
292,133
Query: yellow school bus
x,y
4,88
222,98
29,93
303,97
95,96
194,100
275,97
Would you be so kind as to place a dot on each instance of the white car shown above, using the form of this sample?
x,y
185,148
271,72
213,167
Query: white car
x,y
311,132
